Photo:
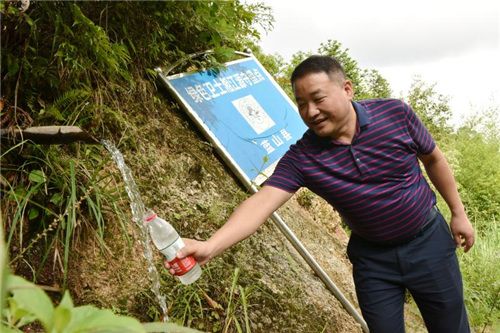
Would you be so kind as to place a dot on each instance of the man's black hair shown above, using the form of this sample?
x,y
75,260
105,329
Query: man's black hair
x,y
318,64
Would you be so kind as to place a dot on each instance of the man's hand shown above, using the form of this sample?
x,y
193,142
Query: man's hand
x,y
243,222
462,231
440,174
200,250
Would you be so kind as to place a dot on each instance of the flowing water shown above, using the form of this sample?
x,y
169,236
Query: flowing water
x,y
138,211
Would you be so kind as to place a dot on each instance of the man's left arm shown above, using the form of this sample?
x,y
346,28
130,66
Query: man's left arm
x,y
440,174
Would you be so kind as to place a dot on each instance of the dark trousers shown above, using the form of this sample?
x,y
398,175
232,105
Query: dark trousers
x,y
427,266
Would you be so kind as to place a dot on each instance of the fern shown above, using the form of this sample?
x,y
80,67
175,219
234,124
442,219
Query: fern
x,y
72,97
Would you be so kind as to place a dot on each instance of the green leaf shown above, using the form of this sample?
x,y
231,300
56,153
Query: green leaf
x,y
66,301
37,176
18,194
12,69
52,111
33,213
4,268
4,329
30,298
167,327
224,52
151,72
29,20
61,319
18,315
63,314
88,318
56,198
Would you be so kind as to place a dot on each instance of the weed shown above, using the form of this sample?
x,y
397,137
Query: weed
x,y
305,198
237,303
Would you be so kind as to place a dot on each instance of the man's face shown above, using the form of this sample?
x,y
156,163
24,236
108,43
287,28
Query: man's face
x,y
324,104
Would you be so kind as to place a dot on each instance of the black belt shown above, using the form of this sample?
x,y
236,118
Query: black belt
x,y
427,224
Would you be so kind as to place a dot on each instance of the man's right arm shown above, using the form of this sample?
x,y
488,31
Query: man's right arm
x,y
243,222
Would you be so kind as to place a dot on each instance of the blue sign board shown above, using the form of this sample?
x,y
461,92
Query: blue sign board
x,y
244,111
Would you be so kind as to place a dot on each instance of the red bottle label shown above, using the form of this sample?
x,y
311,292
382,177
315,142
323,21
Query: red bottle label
x,y
182,266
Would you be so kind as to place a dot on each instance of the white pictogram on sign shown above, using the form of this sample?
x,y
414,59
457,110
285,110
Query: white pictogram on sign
x,y
253,113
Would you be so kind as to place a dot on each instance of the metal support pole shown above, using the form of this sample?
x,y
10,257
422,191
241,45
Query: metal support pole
x,y
297,244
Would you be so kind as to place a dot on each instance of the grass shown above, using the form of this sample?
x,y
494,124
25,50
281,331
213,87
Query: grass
x,y
204,307
48,198
231,318
481,271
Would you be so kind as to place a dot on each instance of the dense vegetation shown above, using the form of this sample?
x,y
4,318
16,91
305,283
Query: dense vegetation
x,y
91,64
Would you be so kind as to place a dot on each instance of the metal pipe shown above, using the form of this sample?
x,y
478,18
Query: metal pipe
x,y
48,135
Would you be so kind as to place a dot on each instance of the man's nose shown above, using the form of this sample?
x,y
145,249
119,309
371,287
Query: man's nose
x,y
312,110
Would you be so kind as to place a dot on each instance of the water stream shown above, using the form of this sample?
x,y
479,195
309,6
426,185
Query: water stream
x,y
138,211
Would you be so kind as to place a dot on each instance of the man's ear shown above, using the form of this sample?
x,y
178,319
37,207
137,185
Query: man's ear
x,y
349,88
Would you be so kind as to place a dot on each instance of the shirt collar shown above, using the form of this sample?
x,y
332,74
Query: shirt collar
x,y
363,116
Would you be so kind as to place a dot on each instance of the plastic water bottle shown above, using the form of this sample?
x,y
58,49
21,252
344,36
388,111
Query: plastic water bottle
x,y
168,241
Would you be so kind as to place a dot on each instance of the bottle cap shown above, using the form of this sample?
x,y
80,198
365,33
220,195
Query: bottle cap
x,y
149,216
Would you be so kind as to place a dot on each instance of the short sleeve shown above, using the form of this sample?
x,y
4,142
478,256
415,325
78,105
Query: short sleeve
x,y
418,132
287,175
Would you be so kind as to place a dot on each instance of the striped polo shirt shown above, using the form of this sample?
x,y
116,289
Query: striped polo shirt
x,y
375,182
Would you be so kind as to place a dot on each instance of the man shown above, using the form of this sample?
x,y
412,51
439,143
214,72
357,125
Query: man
x,y
362,157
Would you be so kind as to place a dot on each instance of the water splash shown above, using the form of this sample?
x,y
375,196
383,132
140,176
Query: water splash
x,y
138,211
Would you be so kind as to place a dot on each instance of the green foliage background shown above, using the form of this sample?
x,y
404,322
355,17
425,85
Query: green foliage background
x,y
91,64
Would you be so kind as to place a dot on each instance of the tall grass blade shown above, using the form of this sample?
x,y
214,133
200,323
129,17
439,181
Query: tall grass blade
x,y
244,302
70,221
